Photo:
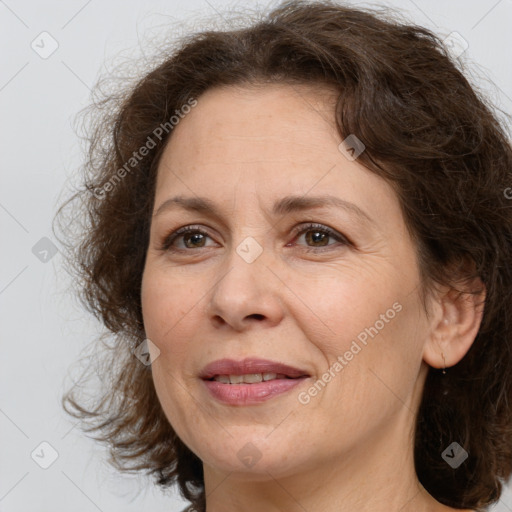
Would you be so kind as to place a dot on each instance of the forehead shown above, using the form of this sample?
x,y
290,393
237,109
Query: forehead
x,y
267,141
292,122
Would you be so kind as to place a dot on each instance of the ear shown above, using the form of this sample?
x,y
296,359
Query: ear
x,y
455,321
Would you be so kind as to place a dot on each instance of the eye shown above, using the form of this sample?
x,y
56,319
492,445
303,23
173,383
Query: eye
x,y
319,235
192,236
195,238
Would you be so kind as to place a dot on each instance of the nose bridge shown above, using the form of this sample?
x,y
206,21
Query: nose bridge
x,y
247,288
245,265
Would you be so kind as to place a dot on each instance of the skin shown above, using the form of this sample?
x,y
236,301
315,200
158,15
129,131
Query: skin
x,y
351,447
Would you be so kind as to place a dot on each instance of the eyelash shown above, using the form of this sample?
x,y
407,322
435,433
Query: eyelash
x,y
168,240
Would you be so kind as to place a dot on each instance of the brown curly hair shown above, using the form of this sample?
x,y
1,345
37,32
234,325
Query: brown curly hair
x,y
427,131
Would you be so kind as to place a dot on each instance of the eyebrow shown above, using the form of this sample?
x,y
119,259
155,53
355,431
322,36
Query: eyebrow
x,y
285,205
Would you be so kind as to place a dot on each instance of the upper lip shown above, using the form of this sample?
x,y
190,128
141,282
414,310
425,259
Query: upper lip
x,y
248,366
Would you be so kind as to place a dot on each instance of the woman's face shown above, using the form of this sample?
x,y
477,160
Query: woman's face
x,y
338,301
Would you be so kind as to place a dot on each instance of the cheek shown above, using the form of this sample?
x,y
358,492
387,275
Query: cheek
x,y
381,357
374,323
344,307
165,313
166,304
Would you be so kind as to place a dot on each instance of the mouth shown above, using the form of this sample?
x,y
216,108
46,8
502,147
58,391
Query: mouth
x,y
250,378
249,371
251,381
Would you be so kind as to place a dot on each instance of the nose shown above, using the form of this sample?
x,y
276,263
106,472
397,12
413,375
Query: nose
x,y
247,294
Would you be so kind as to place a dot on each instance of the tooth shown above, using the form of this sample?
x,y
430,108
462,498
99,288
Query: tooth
x,y
252,378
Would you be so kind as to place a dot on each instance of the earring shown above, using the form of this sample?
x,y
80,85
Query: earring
x,y
444,369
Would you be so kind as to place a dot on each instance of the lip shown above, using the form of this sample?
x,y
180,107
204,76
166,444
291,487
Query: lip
x,y
247,366
250,394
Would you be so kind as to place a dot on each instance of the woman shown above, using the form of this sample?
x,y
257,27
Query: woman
x,y
299,235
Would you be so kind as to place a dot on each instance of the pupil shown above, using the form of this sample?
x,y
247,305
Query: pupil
x,y
318,236
195,237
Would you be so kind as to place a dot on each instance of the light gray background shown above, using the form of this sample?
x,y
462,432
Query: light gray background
x,y
43,329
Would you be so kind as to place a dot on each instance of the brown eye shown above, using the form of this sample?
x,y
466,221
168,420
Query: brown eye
x,y
317,236
193,238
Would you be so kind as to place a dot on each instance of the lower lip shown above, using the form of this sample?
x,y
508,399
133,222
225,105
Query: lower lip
x,y
247,394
